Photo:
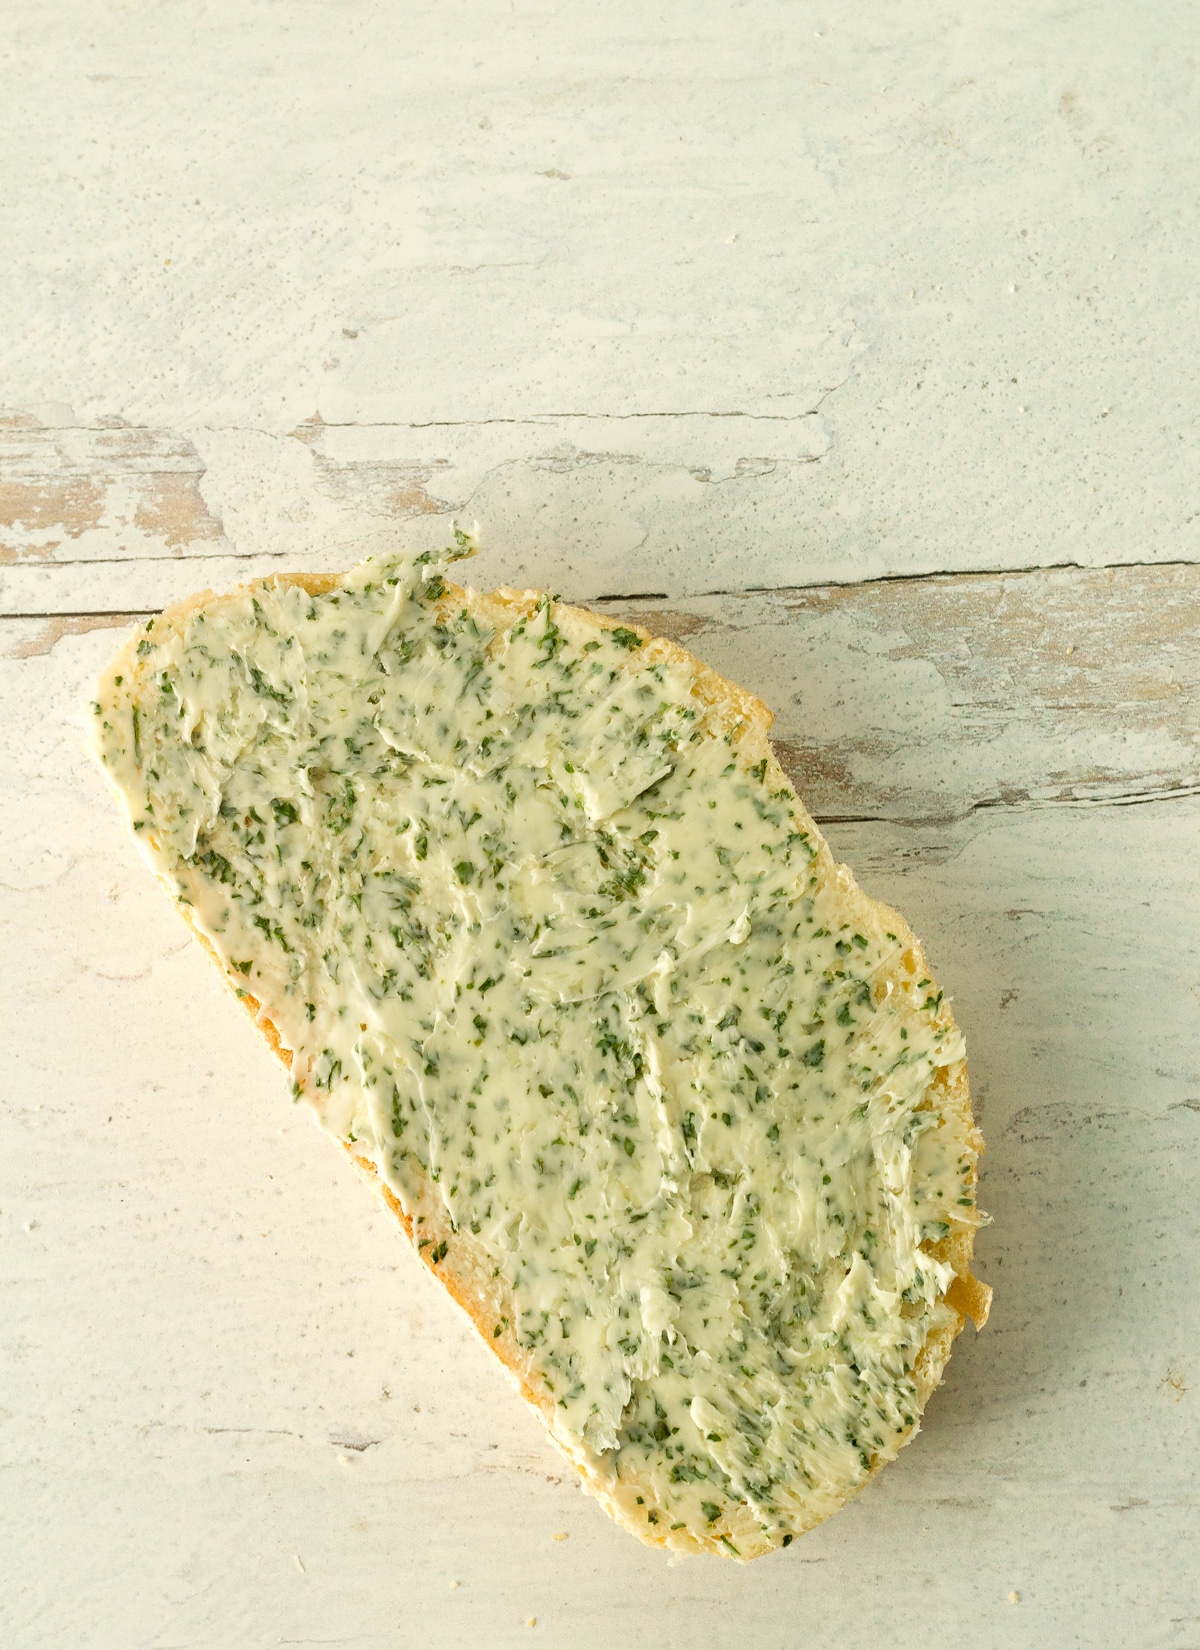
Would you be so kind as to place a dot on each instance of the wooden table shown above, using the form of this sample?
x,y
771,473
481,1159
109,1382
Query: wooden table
x,y
857,350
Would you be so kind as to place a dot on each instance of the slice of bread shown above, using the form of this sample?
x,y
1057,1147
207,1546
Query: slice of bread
x,y
528,908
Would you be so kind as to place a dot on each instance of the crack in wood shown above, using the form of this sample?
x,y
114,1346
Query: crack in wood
x,y
918,577
535,419
1022,804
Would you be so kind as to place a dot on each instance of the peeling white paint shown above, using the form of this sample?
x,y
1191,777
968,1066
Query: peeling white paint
x,y
957,234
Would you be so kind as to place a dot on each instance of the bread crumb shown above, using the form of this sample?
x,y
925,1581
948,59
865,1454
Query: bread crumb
x,y
455,1584
559,1535
532,1622
1014,1598
344,1460
299,1563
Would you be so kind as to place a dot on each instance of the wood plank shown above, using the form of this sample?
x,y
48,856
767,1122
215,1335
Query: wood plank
x,y
104,517
924,699
95,516
219,1358
964,254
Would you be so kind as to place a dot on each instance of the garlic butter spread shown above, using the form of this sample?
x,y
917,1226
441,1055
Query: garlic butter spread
x,y
537,929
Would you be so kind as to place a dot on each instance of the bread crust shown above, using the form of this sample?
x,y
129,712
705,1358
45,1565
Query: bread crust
x,y
464,1269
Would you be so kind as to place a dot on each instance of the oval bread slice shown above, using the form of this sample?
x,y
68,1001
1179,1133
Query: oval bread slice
x,y
528,908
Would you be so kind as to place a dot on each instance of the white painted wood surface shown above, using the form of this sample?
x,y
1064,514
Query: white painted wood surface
x,y
723,316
